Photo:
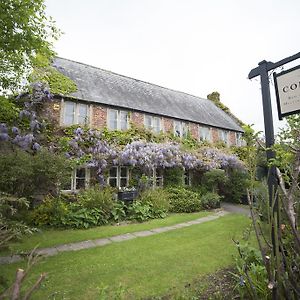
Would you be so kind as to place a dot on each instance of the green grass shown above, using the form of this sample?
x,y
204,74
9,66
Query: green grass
x,y
144,267
48,238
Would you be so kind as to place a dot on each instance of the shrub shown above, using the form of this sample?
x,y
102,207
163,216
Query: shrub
x,y
236,185
26,175
173,177
214,180
158,199
139,211
99,198
10,225
210,200
118,212
184,200
50,213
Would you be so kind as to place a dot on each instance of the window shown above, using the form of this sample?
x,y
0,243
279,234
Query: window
x,y
187,178
80,179
118,177
204,134
180,129
117,119
75,113
223,136
238,139
152,123
157,178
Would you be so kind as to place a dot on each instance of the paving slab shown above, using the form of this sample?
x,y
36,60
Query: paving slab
x,y
47,251
122,237
102,242
82,245
10,259
143,233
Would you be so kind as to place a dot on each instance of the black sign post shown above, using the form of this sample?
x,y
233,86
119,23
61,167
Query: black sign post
x,y
262,70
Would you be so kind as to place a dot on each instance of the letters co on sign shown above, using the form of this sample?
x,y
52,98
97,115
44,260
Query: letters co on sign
x,y
287,88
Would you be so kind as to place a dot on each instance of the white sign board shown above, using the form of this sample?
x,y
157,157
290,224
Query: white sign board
x,y
287,87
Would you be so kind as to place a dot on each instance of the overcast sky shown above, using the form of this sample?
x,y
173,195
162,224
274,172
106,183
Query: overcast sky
x,y
194,46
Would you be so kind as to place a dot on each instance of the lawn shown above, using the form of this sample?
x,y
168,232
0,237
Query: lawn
x,y
143,267
48,238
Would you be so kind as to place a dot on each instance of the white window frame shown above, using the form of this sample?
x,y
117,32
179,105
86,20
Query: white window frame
x,y
157,178
118,176
204,137
187,177
73,179
152,126
183,129
75,113
119,112
224,136
238,139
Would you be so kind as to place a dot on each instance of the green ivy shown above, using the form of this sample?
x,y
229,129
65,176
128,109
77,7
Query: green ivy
x,y
43,71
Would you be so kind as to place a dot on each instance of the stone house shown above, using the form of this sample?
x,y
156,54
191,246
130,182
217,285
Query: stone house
x,y
107,99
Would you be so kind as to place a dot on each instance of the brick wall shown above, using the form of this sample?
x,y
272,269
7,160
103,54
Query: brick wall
x,y
214,135
137,118
232,140
99,116
194,130
168,125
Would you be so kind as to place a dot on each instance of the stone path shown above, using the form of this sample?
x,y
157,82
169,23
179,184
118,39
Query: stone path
x,y
114,239
236,208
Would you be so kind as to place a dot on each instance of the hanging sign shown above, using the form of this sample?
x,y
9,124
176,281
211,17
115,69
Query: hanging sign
x,y
287,88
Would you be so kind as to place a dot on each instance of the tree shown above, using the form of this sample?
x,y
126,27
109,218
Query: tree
x,y
25,31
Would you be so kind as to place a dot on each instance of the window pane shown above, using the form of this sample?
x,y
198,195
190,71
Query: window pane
x,y
112,182
113,172
82,114
177,128
148,121
184,129
69,113
123,182
80,173
123,172
123,120
113,119
156,125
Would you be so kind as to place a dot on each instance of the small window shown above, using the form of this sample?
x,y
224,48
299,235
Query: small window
x,y
223,136
204,134
180,129
153,123
188,178
75,113
118,119
157,179
238,139
118,176
80,179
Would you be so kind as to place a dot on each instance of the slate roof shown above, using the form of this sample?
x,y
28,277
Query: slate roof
x,y
105,87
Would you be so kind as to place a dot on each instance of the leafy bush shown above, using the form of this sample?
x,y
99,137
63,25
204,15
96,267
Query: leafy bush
x,y
139,211
184,200
118,212
25,175
251,274
100,198
214,180
173,177
210,200
50,213
235,187
158,199
10,225
82,217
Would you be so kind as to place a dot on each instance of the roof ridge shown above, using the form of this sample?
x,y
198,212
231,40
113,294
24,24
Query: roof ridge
x,y
125,76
